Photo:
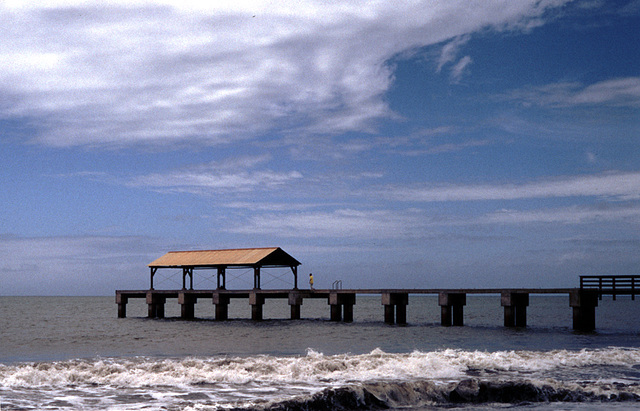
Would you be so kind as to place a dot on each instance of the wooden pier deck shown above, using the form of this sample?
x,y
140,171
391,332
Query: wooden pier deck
x,y
514,302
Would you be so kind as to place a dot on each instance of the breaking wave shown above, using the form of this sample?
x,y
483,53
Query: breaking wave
x,y
369,381
385,395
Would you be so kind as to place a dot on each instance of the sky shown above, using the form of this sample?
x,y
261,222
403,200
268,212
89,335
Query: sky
x,y
417,144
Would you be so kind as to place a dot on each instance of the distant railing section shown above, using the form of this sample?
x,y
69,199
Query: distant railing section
x,y
612,284
336,285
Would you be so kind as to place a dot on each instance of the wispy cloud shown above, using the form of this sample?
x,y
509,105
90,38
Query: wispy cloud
x,y
459,69
567,215
449,52
141,73
239,175
619,92
622,186
343,223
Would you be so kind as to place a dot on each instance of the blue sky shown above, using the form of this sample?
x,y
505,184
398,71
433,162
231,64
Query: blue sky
x,y
385,144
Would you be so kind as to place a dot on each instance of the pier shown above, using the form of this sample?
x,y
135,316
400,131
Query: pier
x,y
513,301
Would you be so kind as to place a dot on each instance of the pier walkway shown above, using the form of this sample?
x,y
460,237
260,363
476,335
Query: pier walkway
x,y
341,302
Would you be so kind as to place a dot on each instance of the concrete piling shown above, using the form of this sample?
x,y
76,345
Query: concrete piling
x,y
342,306
515,308
295,301
187,303
256,300
155,303
122,300
584,303
221,302
395,307
452,308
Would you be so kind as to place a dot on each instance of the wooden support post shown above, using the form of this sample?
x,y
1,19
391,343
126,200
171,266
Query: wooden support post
x,y
294,269
452,308
584,303
256,278
257,301
187,305
153,273
295,301
222,306
515,308
122,305
395,307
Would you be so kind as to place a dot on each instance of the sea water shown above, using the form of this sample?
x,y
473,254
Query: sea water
x,y
74,353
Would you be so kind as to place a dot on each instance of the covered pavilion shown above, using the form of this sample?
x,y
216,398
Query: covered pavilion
x,y
221,260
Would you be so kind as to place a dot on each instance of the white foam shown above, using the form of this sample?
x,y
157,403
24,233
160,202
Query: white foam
x,y
313,368
229,379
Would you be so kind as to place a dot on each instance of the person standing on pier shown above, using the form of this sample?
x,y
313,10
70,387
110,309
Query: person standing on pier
x,y
311,281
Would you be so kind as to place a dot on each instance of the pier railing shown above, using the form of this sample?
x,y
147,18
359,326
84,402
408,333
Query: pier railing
x,y
611,284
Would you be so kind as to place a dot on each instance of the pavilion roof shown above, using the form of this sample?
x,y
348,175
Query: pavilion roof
x,y
238,257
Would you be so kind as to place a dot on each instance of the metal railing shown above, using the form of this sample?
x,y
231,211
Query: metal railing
x,y
612,284
336,285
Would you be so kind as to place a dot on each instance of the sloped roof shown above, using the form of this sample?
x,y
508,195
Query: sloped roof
x,y
239,257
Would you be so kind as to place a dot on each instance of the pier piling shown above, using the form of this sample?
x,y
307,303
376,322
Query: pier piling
x,y
295,301
452,308
221,302
187,303
515,308
584,303
395,307
514,301
342,306
256,300
155,303
122,300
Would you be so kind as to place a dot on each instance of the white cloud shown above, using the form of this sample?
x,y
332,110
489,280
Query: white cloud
x,y
343,223
567,215
144,72
618,92
450,51
459,69
237,175
622,186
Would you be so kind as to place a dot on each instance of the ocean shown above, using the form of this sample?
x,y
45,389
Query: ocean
x,y
74,353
